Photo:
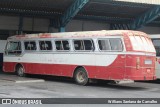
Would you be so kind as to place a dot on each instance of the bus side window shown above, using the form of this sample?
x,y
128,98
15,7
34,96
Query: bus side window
x,y
13,48
88,45
45,45
62,45
116,44
78,45
30,45
104,44
26,44
65,45
48,45
83,45
59,45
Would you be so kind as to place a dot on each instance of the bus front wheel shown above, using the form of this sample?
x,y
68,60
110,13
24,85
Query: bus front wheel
x,y
81,76
20,71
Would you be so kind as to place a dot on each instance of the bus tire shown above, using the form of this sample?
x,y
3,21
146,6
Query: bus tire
x,y
80,76
20,71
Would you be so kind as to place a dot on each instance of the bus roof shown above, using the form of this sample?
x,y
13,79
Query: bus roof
x,y
77,34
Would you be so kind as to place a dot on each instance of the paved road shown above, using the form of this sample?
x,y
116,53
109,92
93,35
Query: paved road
x,y
54,87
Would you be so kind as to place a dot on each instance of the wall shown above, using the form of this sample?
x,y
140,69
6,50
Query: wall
x,y
151,30
11,23
40,24
29,24
81,25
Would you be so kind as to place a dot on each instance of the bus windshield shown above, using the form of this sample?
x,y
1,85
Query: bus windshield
x,y
141,43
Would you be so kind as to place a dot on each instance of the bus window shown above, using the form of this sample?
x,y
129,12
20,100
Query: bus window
x,y
65,45
58,45
45,45
78,45
30,45
150,44
116,44
134,43
104,44
83,45
13,48
88,45
140,43
156,43
62,45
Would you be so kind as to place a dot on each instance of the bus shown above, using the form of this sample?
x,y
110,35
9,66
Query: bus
x,y
2,47
156,42
106,55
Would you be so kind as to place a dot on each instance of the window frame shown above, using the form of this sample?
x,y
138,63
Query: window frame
x,y
92,41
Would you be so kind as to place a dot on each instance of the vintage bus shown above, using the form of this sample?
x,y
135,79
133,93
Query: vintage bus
x,y
156,42
107,55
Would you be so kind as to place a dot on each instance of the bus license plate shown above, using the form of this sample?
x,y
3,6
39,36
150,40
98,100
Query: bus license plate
x,y
148,62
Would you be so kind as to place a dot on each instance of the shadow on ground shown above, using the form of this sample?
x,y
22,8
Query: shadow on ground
x,y
99,83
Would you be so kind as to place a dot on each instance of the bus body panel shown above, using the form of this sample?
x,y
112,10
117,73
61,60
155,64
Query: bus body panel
x,y
57,64
137,69
114,71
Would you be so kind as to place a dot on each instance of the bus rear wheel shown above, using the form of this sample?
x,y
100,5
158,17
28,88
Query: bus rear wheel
x,y
20,71
81,77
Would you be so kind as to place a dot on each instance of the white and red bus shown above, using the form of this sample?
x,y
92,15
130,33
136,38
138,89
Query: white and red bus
x,y
156,42
107,55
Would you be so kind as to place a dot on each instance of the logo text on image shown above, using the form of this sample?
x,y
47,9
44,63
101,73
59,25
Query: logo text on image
x,y
6,101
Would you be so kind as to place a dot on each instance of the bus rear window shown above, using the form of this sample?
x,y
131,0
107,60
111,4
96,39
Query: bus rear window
x,y
140,43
